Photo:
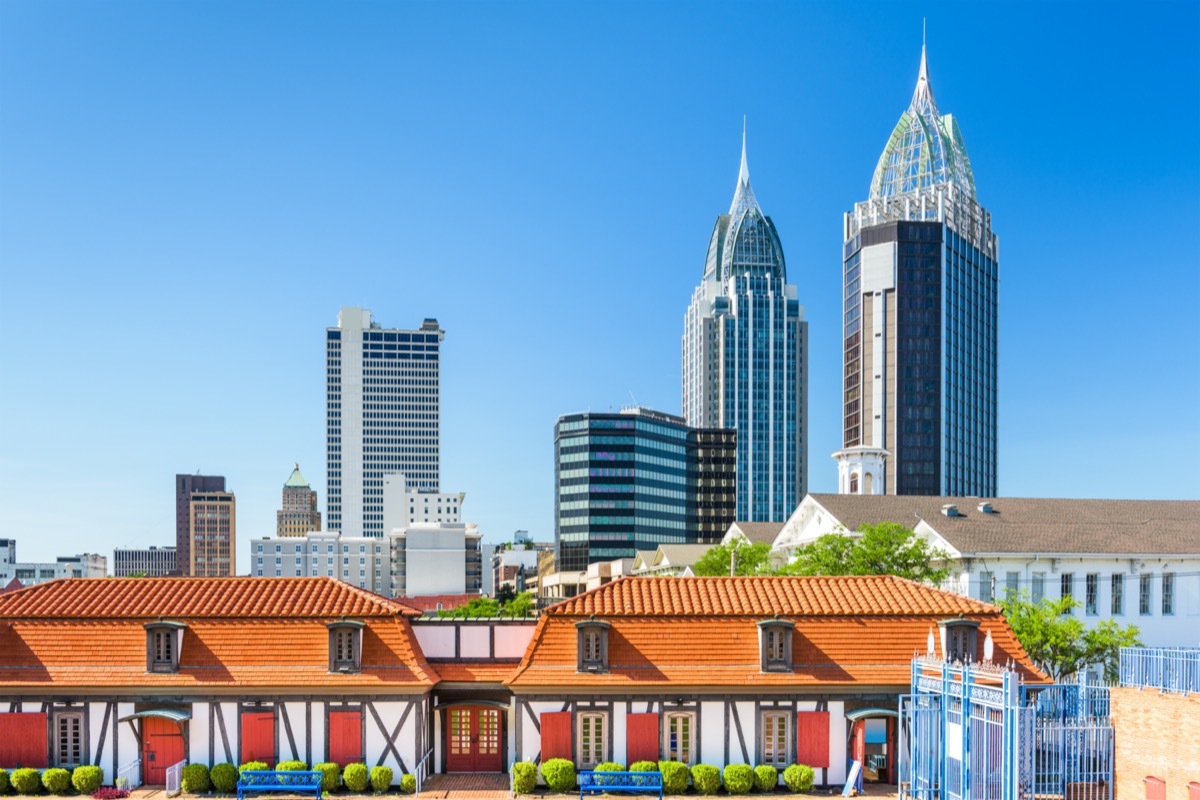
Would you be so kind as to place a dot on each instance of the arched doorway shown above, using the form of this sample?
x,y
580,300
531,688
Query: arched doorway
x,y
474,738
873,743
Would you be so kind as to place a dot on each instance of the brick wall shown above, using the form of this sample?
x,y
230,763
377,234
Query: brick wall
x,y
1156,735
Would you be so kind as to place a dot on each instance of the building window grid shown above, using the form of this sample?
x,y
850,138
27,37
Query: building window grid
x,y
1168,594
593,743
776,749
678,734
1118,594
1144,595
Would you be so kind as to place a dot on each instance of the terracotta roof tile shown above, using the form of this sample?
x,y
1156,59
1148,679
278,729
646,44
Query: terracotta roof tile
x,y
476,672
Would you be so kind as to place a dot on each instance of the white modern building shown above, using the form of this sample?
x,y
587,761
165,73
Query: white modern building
x,y
151,562
1133,561
84,565
382,416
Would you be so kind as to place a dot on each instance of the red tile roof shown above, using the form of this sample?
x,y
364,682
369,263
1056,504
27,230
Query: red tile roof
x,y
476,671
430,602
701,633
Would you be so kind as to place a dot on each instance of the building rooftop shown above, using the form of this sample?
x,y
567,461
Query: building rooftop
x,y
759,532
296,480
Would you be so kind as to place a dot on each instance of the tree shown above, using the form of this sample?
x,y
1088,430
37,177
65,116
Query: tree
x,y
1059,642
884,549
519,606
751,559
505,593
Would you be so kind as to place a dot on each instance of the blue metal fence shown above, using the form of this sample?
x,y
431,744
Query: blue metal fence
x,y
1081,700
1171,669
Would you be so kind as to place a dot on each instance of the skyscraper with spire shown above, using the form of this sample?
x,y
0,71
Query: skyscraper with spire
x,y
920,264
745,357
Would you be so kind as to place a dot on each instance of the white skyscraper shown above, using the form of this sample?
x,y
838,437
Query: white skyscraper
x,y
383,412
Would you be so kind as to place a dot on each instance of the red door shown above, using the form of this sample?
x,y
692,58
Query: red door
x,y
345,737
258,737
473,739
162,747
858,742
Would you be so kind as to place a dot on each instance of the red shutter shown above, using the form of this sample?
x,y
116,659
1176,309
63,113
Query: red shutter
x,y
812,738
258,737
1156,788
345,737
23,740
1194,790
641,737
556,735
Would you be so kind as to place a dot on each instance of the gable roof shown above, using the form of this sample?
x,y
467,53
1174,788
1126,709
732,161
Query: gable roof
x,y
680,554
758,532
1035,525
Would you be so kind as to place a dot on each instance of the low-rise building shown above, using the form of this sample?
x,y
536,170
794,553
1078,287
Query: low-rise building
x,y
669,560
151,562
83,565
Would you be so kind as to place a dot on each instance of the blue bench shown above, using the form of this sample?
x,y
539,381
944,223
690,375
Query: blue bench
x,y
603,782
258,781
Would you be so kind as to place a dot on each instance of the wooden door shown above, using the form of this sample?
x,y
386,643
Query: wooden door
x,y
858,742
473,739
162,747
258,737
345,737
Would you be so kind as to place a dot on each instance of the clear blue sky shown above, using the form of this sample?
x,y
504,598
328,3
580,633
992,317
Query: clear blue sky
x,y
190,190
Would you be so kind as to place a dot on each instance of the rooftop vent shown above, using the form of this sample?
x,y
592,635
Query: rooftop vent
x,y
950,510
986,508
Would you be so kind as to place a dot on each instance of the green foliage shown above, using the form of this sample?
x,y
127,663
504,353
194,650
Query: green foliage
x,y
706,779
524,774
56,780
86,779
738,778
27,780
766,778
609,766
291,766
408,783
644,766
884,549
1060,643
799,778
521,605
675,777
505,594
331,776
751,559
381,778
195,779
252,765
224,777
4,785
559,774
356,777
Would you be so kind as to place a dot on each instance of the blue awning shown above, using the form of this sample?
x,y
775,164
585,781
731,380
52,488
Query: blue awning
x,y
863,713
164,713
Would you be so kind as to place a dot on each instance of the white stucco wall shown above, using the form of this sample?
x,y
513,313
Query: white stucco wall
x,y
512,640
474,641
390,714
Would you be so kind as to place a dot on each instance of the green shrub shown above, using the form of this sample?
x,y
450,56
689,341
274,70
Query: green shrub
x,y
291,766
706,779
675,777
252,765
331,776
85,779
224,777
766,778
609,766
798,777
27,780
408,783
3,781
524,777
738,778
381,778
644,766
559,774
195,779
356,777
56,780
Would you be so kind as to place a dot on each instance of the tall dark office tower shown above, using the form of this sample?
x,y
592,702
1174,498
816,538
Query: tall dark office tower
x,y
920,263
637,479
745,357
185,487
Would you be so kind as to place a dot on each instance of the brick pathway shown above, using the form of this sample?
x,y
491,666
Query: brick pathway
x,y
479,786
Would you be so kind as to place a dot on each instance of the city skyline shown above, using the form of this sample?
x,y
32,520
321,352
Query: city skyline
x,y
145,184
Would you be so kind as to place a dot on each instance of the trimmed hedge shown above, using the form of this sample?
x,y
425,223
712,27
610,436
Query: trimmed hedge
x,y
675,777
738,778
4,784
252,765
56,780
381,778
195,779
356,777
559,774
609,766
408,783
706,779
644,766
766,778
291,766
799,778
26,780
86,779
224,777
331,776
524,777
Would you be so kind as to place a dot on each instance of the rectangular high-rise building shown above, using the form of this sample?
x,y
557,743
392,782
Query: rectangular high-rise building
x,y
920,264
383,416
212,546
298,512
185,485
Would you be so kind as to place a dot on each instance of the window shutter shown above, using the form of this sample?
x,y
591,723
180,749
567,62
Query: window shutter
x,y
812,738
1156,788
23,740
641,737
556,735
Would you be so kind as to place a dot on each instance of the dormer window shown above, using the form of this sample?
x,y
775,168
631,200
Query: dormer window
x,y
775,645
345,645
959,639
163,642
593,646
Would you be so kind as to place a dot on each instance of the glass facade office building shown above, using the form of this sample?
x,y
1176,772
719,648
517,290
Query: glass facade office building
x,y
745,358
921,265
636,479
